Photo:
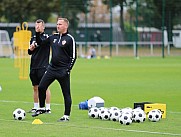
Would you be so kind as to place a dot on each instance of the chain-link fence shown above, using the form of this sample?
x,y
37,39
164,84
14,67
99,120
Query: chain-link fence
x,y
120,28
131,28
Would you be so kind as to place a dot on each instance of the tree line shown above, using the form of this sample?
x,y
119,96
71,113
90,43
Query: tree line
x,y
150,12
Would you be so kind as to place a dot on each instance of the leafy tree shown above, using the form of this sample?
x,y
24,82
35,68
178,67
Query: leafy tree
x,y
24,10
30,10
172,13
121,3
152,15
69,9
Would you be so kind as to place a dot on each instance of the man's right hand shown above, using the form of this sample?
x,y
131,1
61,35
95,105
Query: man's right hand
x,y
32,46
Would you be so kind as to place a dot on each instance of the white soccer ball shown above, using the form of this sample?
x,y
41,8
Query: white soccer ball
x,y
155,115
101,109
19,114
114,115
113,109
125,118
104,114
138,115
127,109
93,112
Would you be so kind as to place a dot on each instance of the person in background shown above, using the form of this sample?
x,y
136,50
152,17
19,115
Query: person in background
x,y
63,59
91,52
39,62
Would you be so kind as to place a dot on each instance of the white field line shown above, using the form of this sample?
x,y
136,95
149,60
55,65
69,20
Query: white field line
x,y
102,128
55,104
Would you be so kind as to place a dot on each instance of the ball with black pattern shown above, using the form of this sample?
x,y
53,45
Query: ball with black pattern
x,y
155,115
93,112
19,114
138,115
125,118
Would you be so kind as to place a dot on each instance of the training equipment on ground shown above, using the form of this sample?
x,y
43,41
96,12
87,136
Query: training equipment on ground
x,y
125,118
114,115
37,121
155,115
148,106
113,108
138,115
93,112
21,43
83,105
104,114
127,109
19,114
95,102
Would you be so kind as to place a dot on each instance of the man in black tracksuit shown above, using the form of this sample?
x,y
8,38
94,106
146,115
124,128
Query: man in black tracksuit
x,y
63,58
38,65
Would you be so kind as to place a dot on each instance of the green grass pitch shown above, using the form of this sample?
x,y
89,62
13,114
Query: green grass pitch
x,y
120,81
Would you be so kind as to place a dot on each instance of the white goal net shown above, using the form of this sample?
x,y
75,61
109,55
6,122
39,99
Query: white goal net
x,y
6,49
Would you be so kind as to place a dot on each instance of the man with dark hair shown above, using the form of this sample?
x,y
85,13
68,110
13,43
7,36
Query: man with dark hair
x,y
63,58
38,65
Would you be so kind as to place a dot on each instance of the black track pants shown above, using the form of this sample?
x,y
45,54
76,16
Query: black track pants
x,y
64,80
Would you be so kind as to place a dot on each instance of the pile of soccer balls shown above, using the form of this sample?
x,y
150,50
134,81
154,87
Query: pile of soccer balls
x,y
19,114
124,116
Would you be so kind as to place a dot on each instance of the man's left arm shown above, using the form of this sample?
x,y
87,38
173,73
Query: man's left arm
x,y
73,54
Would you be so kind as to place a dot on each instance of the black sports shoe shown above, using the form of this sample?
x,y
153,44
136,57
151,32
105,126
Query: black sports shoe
x,y
48,111
33,110
38,112
63,119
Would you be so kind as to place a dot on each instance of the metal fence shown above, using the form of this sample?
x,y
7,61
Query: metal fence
x,y
122,29
127,49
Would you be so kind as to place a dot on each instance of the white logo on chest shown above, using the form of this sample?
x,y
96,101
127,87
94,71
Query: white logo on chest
x,y
63,42
54,40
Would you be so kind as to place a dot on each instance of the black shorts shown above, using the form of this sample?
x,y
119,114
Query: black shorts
x,y
36,75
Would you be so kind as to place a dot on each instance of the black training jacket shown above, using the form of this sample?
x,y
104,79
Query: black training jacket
x,y
63,50
40,55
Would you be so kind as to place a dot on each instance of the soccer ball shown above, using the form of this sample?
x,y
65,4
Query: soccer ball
x,y
113,109
138,115
125,118
114,115
155,115
101,109
104,114
19,114
127,109
93,112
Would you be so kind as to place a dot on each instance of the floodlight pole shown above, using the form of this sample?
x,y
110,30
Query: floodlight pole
x,y
136,40
86,21
111,33
163,25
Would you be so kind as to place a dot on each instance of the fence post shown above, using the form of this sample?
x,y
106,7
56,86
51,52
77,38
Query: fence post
x,y
117,49
168,49
151,48
134,49
99,49
80,49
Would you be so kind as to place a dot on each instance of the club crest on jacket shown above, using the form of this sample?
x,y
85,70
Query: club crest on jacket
x,y
63,42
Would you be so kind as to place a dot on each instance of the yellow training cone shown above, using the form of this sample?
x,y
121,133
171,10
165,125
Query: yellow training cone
x,y
37,121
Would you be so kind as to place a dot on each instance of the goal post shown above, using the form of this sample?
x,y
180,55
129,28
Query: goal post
x,y
6,49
